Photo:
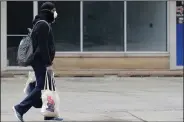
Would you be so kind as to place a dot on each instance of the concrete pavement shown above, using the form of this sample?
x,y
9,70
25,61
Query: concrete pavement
x,y
105,99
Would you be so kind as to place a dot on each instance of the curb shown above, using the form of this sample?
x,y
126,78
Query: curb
x,y
127,73
102,73
152,74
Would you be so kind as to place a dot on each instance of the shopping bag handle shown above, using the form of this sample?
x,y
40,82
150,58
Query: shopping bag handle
x,y
53,83
46,86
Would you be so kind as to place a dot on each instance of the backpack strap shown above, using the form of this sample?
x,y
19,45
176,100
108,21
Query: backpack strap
x,y
41,21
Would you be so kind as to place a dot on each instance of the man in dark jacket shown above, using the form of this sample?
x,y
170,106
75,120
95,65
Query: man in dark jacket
x,y
44,48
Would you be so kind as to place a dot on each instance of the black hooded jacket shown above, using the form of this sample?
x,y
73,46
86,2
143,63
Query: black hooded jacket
x,y
43,40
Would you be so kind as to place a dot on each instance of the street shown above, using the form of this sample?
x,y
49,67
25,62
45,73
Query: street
x,y
104,99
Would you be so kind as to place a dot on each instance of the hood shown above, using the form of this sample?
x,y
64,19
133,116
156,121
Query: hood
x,y
37,17
47,16
45,13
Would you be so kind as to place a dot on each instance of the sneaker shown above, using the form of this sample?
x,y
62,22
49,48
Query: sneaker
x,y
17,114
57,119
53,119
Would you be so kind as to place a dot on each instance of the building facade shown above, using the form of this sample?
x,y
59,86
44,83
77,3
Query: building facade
x,y
101,34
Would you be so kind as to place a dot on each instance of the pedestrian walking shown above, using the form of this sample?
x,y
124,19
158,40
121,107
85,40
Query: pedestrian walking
x,y
44,53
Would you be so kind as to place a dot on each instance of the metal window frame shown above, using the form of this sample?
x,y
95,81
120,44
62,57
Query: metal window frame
x,y
81,52
3,35
35,8
112,53
125,26
81,26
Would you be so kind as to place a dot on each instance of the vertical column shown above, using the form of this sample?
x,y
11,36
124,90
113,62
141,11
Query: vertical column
x,y
81,26
35,8
171,8
125,26
3,35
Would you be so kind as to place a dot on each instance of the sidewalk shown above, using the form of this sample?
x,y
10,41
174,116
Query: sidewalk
x,y
105,99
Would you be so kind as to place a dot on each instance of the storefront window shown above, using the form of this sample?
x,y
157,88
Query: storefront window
x,y
19,18
12,44
66,29
103,26
147,26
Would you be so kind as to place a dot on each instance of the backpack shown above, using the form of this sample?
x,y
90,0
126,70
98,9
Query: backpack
x,y
25,53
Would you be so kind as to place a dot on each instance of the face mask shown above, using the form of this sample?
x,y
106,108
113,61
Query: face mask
x,y
55,14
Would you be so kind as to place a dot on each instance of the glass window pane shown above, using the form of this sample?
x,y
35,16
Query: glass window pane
x,y
12,44
19,16
147,26
66,29
103,26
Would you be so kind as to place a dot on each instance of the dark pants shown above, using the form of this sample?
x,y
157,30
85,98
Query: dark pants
x,y
34,98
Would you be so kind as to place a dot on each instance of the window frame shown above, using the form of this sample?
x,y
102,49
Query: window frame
x,y
167,29
124,45
9,35
111,53
81,53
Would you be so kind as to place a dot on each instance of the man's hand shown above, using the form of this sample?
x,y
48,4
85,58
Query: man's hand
x,y
50,70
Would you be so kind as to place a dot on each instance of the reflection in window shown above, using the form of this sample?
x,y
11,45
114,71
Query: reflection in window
x,y
146,26
103,26
66,28
19,16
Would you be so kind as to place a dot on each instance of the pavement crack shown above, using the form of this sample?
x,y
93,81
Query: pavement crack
x,y
137,117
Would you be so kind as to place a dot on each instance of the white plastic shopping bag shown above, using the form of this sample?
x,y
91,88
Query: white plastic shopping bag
x,y
50,99
31,79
